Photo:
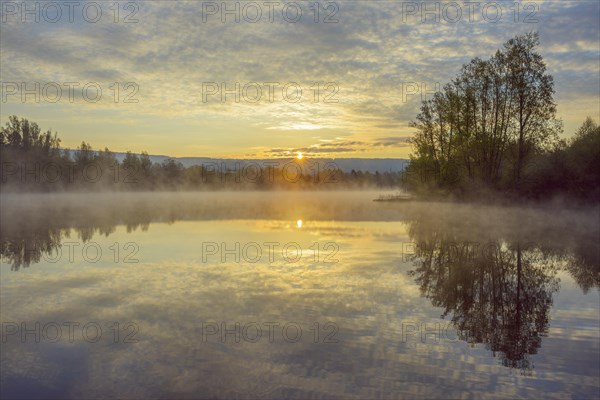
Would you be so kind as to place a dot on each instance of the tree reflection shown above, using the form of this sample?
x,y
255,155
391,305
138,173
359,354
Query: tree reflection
x,y
21,249
27,238
496,286
499,296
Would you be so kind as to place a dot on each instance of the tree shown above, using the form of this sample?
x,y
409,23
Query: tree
x,y
533,91
84,154
467,133
22,136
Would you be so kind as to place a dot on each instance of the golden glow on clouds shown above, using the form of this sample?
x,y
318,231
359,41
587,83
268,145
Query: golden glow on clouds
x,y
368,54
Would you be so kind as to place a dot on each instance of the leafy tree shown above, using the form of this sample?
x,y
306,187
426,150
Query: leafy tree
x,y
533,91
495,111
22,136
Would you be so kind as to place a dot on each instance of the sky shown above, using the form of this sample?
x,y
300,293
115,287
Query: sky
x,y
188,79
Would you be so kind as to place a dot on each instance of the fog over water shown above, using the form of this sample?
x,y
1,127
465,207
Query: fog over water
x,y
392,299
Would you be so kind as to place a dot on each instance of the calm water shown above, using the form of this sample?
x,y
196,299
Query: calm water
x,y
297,295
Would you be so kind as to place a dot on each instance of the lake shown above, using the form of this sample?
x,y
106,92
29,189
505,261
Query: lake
x,y
296,295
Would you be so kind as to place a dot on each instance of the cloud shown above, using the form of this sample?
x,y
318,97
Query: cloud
x,y
397,141
340,145
365,58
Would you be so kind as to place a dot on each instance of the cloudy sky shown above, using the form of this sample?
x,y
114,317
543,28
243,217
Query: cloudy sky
x,y
187,79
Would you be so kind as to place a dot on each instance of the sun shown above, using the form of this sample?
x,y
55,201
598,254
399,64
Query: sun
x,y
300,156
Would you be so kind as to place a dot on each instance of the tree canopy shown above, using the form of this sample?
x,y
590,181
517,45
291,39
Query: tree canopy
x,y
489,126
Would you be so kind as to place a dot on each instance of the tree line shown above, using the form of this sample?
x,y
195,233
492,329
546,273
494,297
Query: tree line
x,y
32,160
493,128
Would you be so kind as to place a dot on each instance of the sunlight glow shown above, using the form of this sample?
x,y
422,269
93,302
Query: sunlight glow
x,y
299,223
300,156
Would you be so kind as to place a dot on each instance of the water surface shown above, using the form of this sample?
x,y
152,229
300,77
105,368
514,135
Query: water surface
x,y
297,295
